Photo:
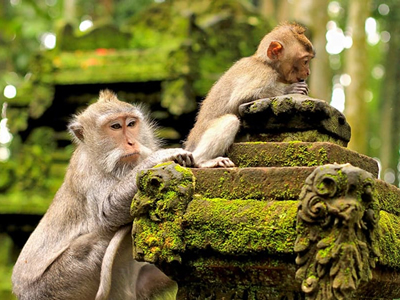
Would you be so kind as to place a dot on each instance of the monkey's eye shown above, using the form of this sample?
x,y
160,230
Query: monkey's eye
x,y
132,123
116,126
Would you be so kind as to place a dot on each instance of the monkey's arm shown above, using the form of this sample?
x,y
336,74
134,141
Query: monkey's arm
x,y
115,206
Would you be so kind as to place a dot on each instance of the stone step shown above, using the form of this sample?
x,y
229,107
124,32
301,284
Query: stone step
x,y
251,183
273,183
293,154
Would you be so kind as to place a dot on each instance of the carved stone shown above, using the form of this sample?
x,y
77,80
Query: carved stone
x,y
157,208
337,220
235,233
293,118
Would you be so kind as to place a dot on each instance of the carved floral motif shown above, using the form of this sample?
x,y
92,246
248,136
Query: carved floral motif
x,y
336,225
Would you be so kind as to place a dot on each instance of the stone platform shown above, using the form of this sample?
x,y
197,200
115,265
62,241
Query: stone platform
x,y
293,220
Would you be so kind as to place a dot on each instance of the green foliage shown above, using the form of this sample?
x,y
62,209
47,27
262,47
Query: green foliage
x,y
30,178
6,265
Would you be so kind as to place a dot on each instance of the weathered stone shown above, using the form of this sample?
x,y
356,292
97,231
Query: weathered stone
x,y
311,136
233,245
251,183
157,208
293,154
337,242
273,183
292,113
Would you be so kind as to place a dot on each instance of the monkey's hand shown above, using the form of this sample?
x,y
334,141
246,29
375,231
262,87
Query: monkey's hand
x,y
220,161
178,155
298,88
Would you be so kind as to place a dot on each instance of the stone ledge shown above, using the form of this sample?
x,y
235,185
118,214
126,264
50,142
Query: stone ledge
x,y
251,183
294,154
310,136
273,183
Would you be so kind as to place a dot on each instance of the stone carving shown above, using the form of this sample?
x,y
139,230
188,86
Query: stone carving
x,y
293,117
158,207
336,225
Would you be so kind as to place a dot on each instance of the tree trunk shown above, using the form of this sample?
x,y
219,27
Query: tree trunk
x,y
390,103
356,61
69,10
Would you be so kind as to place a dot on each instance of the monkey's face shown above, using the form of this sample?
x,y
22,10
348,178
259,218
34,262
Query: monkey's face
x,y
123,131
298,69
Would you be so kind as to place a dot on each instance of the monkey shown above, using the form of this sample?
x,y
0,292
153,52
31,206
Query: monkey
x,y
279,66
81,248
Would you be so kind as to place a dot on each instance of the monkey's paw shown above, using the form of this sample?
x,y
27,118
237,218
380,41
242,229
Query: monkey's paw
x,y
220,161
178,155
298,88
184,159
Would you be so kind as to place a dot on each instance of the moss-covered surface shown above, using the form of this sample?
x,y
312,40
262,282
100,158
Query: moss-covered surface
x,y
108,65
243,239
289,113
251,183
291,154
229,277
310,136
235,227
389,239
388,197
158,210
273,183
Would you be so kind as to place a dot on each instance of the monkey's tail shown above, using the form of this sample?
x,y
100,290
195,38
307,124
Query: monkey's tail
x,y
108,261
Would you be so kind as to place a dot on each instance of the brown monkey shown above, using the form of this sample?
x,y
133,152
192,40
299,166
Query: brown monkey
x,y
280,66
81,247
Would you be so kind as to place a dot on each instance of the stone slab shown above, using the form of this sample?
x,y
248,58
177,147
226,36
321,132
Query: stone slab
x,y
273,154
273,183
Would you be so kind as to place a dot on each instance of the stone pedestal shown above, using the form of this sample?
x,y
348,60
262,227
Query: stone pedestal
x,y
300,217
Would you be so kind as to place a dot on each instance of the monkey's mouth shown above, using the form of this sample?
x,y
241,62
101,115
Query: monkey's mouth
x,y
130,154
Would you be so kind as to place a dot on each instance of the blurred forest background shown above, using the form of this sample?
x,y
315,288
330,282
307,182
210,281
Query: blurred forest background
x,y
56,55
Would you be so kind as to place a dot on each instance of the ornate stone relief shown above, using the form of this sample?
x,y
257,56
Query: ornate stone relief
x,y
336,226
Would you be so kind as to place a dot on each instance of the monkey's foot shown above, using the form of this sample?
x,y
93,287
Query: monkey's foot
x,y
220,161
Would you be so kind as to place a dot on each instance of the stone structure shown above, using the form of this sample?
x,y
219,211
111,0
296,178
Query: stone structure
x,y
300,217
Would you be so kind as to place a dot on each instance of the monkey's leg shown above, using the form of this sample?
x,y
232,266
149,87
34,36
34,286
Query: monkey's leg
x,y
75,274
215,141
152,284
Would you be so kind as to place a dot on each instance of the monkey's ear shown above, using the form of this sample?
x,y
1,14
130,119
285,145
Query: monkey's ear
x,y
76,129
275,50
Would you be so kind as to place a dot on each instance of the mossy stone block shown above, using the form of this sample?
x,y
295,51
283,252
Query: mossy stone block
x,y
293,154
294,113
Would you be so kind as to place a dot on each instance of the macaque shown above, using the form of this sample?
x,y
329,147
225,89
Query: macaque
x,y
81,248
280,66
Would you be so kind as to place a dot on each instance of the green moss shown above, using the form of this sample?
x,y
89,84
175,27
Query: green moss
x,y
241,226
389,239
159,241
308,103
296,153
164,192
